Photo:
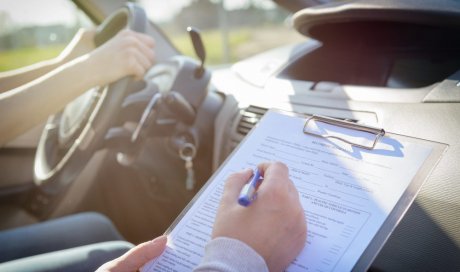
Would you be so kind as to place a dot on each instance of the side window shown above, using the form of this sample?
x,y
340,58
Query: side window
x,y
32,31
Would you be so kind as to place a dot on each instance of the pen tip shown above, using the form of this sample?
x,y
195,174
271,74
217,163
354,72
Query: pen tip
x,y
244,202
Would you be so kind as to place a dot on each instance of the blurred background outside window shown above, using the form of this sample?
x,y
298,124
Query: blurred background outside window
x,y
31,31
231,29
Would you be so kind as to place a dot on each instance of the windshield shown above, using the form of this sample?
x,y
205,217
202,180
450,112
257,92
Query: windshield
x,y
231,30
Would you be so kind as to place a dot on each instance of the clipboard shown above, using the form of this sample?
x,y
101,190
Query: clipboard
x,y
394,216
376,132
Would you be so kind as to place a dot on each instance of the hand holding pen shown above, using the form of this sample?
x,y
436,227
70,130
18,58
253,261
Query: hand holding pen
x,y
249,191
273,224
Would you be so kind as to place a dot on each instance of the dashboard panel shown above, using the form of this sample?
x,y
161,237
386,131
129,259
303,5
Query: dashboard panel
x,y
431,225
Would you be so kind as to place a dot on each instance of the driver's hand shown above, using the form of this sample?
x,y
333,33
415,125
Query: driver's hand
x,y
136,257
273,225
127,54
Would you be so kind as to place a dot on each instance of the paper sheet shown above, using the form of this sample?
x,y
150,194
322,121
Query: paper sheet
x,y
346,193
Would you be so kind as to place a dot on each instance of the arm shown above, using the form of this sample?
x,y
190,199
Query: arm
x,y
273,227
230,255
128,53
265,236
81,44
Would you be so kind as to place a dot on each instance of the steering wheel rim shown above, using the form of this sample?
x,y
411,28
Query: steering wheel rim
x,y
55,169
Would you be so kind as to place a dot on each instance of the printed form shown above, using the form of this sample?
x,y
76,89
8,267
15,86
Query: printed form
x,y
346,193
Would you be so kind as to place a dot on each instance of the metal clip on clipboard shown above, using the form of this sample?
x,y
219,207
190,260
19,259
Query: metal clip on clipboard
x,y
377,132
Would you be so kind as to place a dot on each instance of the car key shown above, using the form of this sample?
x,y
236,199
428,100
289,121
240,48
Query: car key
x,y
187,152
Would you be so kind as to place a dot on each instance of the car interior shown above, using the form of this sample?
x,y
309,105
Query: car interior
x,y
122,149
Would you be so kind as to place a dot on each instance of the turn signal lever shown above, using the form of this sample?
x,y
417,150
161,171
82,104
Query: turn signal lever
x,y
199,50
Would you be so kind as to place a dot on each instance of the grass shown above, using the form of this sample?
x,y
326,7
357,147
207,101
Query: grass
x,y
17,58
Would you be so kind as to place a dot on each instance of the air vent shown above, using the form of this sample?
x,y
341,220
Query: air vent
x,y
252,114
249,118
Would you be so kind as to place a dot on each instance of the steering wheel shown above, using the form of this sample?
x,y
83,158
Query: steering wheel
x,y
71,136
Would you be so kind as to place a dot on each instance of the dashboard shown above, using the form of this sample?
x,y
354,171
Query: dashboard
x,y
408,87
431,225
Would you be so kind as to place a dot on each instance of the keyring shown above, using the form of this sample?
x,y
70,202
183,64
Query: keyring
x,y
188,150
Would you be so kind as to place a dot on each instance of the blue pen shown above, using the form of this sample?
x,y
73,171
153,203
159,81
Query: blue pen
x,y
248,193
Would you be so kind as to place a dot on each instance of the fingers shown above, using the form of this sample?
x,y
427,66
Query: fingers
x,y
135,51
145,39
276,178
138,64
234,183
140,51
141,42
141,254
273,173
147,52
277,167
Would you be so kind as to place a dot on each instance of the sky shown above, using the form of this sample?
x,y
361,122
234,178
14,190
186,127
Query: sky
x,y
159,12
26,12
45,12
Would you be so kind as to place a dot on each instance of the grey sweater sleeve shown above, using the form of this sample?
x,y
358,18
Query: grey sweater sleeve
x,y
230,255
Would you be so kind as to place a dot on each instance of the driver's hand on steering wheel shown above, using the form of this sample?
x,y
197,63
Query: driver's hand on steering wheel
x,y
129,53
